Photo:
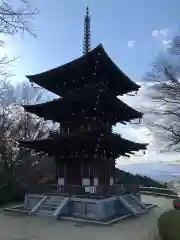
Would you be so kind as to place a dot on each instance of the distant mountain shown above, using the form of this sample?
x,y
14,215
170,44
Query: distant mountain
x,y
160,171
124,177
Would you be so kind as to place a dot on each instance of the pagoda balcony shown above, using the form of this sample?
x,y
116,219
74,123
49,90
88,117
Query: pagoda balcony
x,y
81,191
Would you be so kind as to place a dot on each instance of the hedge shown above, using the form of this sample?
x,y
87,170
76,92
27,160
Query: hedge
x,y
11,193
169,225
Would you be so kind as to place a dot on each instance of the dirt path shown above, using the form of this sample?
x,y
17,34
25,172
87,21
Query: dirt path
x,y
22,227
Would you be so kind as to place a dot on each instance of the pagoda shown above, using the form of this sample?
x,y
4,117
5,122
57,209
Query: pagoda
x,y
86,148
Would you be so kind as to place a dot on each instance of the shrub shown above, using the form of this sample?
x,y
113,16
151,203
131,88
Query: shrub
x,y
11,194
169,225
176,203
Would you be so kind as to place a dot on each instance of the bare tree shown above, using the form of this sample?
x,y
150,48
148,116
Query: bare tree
x,y
15,125
165,93
14,19
11,128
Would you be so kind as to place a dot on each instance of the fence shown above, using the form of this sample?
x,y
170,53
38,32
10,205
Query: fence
x,y
172,193
106,190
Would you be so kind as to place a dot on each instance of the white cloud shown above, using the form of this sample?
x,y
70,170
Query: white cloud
x,y
160,32
155,33
163,36
131,44
149,157
142,132
167,43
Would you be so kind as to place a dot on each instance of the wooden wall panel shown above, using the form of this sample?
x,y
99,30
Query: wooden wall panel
x,y
74,171
74,174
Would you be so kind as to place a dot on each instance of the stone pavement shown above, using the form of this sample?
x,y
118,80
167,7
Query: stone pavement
x,y
16,226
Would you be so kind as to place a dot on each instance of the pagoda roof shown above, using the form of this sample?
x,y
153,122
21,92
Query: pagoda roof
x,y
94,67
65,144
71,107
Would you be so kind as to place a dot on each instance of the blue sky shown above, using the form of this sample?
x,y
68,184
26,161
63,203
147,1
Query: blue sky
x,y
116,23
132,32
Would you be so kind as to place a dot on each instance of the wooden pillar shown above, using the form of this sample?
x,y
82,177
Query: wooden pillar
x,y
101,173
85,174
112,173
61,176
56,171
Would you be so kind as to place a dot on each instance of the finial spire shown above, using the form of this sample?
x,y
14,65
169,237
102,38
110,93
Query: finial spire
x,y
87,11
87,33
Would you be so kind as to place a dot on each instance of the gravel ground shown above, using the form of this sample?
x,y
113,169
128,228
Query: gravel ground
x,y
15,226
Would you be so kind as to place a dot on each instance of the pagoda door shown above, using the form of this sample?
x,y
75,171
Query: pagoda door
x,y
73,174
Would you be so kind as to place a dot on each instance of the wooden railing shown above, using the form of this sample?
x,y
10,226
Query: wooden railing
x,y
80,190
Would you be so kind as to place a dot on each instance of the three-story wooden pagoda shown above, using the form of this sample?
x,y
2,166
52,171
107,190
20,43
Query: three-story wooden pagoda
x,y
85,149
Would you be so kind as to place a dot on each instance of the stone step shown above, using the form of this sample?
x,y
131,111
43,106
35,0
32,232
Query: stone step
x,y
54,201
45,212
132,203
55,198
53,204
50,206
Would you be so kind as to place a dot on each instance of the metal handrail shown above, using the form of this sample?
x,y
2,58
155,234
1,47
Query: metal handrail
x,y
161,189
165,192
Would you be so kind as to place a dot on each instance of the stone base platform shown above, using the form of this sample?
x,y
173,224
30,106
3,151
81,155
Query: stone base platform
x,y
104,211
